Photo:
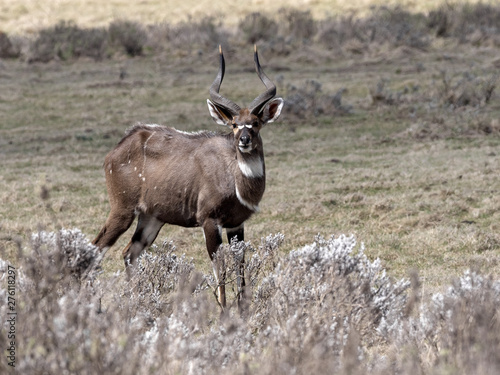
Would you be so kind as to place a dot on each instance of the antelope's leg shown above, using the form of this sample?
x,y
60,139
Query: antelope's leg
x,y
116,224
239,233
147,229
213,239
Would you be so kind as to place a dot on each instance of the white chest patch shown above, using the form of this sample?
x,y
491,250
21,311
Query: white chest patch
x,y
252,168
247,204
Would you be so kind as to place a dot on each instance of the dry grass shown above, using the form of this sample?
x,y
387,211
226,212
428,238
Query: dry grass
x,y
28,17
394,143
402,175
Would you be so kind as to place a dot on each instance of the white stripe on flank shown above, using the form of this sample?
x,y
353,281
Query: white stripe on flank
x,y
250,206
253,168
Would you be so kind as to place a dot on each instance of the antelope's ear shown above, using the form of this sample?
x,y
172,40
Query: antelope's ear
x,y
218,114
271,111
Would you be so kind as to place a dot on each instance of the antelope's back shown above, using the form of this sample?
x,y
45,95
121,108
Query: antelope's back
x,y
162,170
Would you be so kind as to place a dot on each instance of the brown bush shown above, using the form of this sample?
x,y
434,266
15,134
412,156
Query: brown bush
x,y
7,49
280,35
128,35
66,41
258,27
309,101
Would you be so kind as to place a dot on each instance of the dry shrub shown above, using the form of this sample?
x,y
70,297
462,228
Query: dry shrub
x,y
393,26
320,300
7,49
258,27
195,35
469,90
297,26
398,27
65,41
335,33
309,101
128,35
381,95
69,250
456,331
280,34
473,23
324,308
455,124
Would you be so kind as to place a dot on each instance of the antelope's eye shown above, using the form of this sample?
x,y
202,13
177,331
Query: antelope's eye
x,y
234,125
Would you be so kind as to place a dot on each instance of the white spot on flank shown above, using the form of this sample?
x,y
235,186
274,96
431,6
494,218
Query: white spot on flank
x,y
135,168
245,203
252,168
110,171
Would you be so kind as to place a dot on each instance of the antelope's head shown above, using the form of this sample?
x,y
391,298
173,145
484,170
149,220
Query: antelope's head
x,y
245,122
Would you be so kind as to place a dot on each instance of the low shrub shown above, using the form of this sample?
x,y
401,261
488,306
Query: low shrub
x,y
296,25
128,35
258,27
469,90
465,21
65,41
7,49
281,34
323,308
310,101
195,37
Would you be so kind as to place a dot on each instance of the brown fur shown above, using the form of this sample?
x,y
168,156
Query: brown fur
x,y
205,179
178,178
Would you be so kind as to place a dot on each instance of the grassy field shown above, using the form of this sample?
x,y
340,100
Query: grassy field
x,y
419,186
27,16
408,163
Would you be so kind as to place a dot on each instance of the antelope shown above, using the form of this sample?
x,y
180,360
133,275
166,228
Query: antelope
x,y
205,179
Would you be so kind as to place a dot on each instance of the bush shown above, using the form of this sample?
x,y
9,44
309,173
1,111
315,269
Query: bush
x,y
333,33
256,27
281,34
465,21
297,25
66,41
469,90
308,101
398,27
131,36
323,308
456,331
7,49
196,36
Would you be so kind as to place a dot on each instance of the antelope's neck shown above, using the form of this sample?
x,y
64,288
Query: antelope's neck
x,y
251,182
251,165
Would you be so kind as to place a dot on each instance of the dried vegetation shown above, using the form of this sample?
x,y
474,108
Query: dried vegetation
x,y
295,34
411,167
322,308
